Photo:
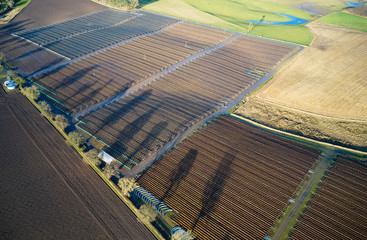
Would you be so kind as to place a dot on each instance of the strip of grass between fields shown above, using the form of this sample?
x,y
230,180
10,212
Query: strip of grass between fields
x,y
347,20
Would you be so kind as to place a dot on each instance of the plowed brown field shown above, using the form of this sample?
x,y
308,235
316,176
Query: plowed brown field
x,y
46,189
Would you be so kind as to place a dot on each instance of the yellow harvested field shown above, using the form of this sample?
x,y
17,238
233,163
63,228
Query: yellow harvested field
x,y
329,78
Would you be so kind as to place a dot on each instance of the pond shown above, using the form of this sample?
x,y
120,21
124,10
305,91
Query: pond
x,y
354,4
294,20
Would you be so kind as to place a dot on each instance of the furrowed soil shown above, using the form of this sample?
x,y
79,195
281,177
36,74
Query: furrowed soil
x,y
36,14
47,191
322,93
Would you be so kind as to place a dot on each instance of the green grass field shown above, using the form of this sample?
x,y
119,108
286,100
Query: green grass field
x,y
22,3
231,14
346,20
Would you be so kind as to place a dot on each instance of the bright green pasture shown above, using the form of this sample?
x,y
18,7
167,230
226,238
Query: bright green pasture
x,y
328,5
231,14
346,20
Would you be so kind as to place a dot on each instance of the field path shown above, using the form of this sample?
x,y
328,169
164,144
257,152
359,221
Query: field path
x,y
316,176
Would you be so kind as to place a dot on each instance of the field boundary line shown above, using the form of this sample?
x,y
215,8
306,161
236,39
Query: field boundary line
x,y
301,138
305,195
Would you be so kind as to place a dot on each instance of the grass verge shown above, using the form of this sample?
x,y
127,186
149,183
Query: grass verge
x,y
303,207
308,142
347,20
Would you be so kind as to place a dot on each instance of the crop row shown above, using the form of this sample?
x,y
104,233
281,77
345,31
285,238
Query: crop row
x,y
101,76
229,180
339,209
89,22
91,41
195,90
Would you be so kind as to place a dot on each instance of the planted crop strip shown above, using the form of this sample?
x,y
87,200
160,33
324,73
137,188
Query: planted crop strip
x,y
339,209
29,58
229,180
181,98
84,43
79,25
86,82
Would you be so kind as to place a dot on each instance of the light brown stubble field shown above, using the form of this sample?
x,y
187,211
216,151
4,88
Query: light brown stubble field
x,y
322,92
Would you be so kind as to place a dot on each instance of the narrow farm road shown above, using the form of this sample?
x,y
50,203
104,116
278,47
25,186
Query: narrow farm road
x,y
316,176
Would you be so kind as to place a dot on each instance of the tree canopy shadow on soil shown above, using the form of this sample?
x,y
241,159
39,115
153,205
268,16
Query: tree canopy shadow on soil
x,y
127,134
142,3
182,170
151,137
214,187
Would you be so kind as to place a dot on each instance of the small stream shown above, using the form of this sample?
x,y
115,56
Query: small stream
x,y
294,20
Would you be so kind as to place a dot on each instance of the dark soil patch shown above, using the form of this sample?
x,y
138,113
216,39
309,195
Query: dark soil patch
x,y
47,191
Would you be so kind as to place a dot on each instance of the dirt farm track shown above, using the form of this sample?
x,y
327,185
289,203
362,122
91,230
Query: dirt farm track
x,y
46,189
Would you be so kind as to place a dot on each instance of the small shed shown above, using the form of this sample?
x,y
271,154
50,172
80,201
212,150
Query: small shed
x,y
105,157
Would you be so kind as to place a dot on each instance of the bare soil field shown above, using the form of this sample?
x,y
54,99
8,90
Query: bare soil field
x,y
141,123
339,209
229,180
325,83
47,190
35,202
38,13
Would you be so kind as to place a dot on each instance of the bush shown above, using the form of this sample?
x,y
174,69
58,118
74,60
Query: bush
x,y
19,81
11,3
182,235
75,138
127,185
46,108
148,213
31,92
109,171
92,156
12,74
61,122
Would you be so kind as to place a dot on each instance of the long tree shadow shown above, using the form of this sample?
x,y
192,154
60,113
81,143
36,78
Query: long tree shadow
x,y
182,170
69,80
142,3
121,145
14,26
123,109
145,146
214,187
